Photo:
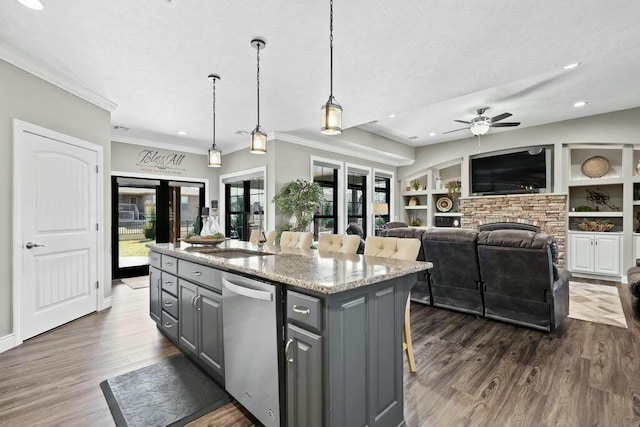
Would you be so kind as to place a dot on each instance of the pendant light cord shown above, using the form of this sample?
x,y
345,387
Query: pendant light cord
x,y
214,112
331,49
258,81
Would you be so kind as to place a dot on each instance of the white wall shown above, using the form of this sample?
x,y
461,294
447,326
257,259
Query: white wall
x,y
31,99
622,127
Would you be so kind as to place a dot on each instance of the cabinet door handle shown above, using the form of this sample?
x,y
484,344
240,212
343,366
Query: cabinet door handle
x,y
167,304
301,310
158,283
198,298
196,273
192,302
154,259
168,325
168,283
168,264
286,351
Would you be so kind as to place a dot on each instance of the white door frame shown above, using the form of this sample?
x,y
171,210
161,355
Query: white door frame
x,y
20,127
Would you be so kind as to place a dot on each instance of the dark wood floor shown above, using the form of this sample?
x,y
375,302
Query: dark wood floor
x,y
470,371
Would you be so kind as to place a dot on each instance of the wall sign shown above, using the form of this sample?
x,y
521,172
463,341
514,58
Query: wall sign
x,y
153,161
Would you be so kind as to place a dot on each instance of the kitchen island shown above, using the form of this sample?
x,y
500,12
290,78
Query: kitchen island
x,y
299,337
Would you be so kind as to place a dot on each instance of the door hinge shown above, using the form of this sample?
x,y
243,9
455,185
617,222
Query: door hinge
x,y
97,285
97,168
97,226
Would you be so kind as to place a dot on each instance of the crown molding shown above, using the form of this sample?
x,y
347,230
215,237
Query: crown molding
x,y
156,144
32,66
348,149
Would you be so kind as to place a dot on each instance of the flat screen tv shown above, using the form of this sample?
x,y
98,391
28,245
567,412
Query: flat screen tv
x,y
510,173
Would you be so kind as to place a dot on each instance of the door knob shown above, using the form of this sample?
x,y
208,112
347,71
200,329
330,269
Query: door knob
x,y
30,245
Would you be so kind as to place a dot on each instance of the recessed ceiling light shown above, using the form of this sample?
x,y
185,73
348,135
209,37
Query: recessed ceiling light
x,y
413,137
242,132
32,4
182,133
118,127
580,104
391,116
432,134
571,66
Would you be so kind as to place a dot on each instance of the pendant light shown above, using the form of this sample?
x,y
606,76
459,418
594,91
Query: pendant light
x,y
331,111
258,136
215,155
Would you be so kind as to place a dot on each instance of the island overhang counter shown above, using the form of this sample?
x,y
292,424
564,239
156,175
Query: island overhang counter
x,y
338,326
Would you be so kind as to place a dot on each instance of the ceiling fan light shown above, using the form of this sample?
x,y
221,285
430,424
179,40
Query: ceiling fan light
x,y
258,141
332,117
215,157
480,129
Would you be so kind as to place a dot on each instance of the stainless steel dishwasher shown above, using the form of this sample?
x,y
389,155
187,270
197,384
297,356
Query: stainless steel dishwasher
x,y
250,346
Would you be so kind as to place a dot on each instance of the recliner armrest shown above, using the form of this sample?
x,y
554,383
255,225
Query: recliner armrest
x,y
564,276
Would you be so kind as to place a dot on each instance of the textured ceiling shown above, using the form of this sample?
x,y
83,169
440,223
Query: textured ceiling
x,y
427,62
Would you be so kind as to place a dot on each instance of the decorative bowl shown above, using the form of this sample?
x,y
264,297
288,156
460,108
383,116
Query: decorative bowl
x,y
595,226
199,240
444,204
595,167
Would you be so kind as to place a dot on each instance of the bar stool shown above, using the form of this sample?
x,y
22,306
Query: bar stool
x,y
340,243
406,249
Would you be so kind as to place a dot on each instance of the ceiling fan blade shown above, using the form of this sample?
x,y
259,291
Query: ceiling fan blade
x,y
450,131
505,125
462,121
500,117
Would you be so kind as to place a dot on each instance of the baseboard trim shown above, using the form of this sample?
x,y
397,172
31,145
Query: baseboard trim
x,y
105,303
7,342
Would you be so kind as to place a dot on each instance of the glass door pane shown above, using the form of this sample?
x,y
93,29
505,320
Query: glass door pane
x,y
136,224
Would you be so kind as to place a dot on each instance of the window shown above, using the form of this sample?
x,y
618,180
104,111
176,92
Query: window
x,y
382,194
325,219
357,199
245,207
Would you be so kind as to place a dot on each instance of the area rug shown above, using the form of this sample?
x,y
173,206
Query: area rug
x,y
596,303
173,392
137,282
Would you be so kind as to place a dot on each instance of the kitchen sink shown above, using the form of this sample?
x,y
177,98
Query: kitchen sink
x,y
226,253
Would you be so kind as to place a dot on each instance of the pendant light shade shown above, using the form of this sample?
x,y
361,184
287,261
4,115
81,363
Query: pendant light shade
x,y
215,155
258,136
331,111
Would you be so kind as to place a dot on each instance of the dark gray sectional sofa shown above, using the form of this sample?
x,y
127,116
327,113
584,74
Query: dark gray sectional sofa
x,y
503,274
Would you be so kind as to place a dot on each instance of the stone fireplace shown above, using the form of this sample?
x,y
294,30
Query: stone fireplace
x,y
547,211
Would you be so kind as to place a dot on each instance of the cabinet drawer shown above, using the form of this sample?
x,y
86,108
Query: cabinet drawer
x,y
169,325
169,264
207,276
304,309
170,304
154,260
170,283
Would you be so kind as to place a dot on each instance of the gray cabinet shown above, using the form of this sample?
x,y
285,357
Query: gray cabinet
x,y
304,378
200,324
154,293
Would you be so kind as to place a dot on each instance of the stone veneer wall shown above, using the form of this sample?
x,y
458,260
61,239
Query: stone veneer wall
x,y
547,211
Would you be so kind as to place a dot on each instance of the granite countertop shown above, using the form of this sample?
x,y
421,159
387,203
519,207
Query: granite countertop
x,y
324,272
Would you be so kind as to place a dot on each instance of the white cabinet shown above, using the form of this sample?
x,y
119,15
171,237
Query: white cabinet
x,y
597,253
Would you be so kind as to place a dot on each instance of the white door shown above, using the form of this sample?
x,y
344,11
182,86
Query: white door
x,y
607,254
581,252
58,208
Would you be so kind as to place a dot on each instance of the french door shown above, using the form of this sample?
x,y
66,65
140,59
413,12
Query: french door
x,y
244,208
148,211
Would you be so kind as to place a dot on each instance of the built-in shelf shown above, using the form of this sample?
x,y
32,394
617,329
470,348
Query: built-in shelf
x,y
595,232
450,214
636,203
417,207
595,214
415,193
440,191
594,181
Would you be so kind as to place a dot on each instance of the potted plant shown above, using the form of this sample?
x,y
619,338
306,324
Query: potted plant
x,y
299,199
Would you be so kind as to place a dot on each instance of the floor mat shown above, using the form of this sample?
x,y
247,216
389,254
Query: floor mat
x,y
173,392
596,303
137,282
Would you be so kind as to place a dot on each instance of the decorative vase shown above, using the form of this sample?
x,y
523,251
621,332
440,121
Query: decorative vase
x,y
438,183
293,222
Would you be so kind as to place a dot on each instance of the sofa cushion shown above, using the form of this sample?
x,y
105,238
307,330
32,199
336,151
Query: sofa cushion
x,y
515,239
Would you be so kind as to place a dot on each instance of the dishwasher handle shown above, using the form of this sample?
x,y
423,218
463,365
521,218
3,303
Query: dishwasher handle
x,y
247,292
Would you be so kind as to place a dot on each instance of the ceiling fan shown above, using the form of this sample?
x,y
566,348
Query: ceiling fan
x,y
481,124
